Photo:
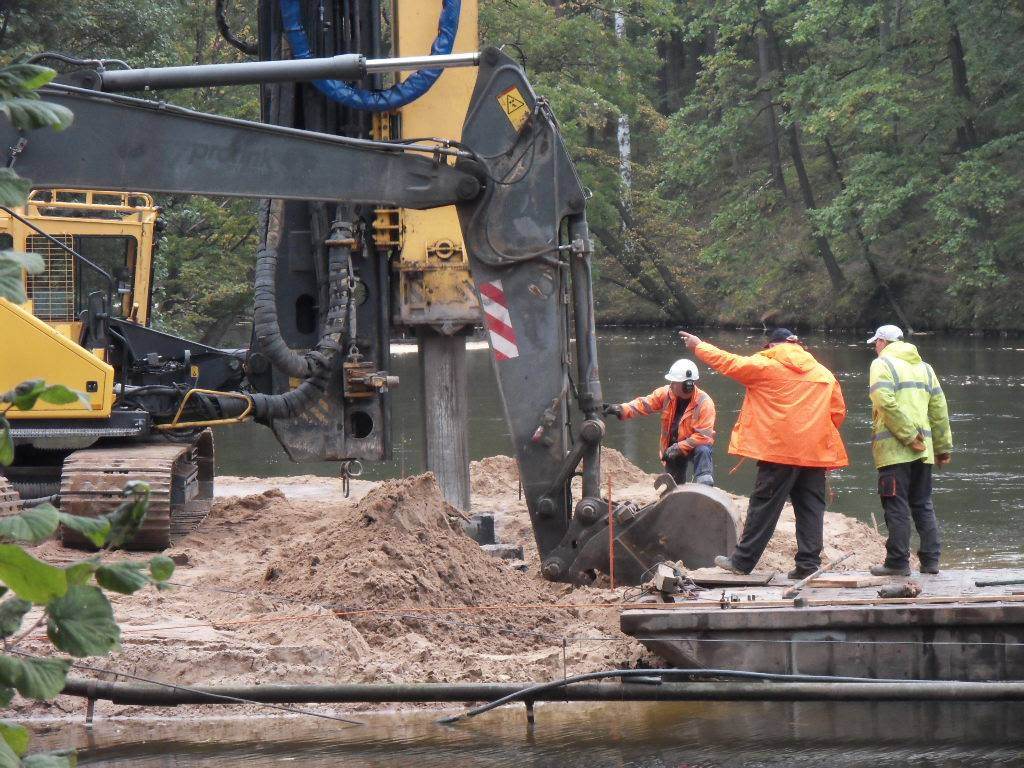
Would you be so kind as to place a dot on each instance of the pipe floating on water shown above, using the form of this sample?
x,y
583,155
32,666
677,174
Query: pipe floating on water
x,y
767,690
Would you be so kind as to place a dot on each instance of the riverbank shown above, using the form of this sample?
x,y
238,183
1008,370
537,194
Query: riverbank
x,y
287,581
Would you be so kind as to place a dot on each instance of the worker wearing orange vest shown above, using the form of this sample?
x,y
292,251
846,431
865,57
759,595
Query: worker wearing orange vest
x,y
687,422
789,424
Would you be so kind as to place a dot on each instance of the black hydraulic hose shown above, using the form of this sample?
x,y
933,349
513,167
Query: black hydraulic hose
x,y
244,46
530,693
290,403
267,328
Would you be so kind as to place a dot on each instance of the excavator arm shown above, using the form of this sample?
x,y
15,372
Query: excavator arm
x,y
520,204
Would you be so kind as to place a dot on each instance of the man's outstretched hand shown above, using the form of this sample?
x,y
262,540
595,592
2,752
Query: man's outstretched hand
x,y
689,340
608,409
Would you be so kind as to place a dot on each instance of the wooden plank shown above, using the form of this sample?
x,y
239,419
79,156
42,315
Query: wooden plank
x,y
839,581
716,577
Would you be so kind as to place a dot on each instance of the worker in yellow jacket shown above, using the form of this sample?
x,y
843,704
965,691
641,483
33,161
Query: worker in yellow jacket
x,y
909,434
687,422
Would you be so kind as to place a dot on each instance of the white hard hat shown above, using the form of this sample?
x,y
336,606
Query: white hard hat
x,y
683,370
886,333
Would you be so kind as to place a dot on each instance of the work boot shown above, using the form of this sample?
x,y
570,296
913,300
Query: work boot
x,y
726,564
704,479
800,573
930,569
885,570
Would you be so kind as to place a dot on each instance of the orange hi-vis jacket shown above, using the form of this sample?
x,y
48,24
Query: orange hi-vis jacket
x,y
793,408
696,427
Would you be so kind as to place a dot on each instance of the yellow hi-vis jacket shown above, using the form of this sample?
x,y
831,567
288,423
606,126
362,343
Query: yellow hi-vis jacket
x,y
906,401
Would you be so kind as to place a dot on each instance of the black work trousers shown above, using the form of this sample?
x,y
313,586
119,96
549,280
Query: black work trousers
x,y
805,487
906,492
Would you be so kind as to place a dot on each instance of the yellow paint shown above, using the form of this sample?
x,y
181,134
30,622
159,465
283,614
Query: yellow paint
x,y
31,349
434,283
514,106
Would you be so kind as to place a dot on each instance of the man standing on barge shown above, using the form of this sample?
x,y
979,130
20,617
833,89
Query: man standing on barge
x,y
789,424
909,433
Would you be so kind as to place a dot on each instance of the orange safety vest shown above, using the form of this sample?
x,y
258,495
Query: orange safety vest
x,y
793,408
697,427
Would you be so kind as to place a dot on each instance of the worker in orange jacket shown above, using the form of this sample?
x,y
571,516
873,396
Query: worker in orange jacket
x,y
789,424
687,422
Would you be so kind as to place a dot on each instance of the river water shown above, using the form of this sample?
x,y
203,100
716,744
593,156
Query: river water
x,y
680,735
979,499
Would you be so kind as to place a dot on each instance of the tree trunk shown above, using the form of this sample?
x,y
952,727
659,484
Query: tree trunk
x,y
966,132
835,273
865,250
767,74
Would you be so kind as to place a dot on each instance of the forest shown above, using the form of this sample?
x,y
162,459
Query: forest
x,y
817,163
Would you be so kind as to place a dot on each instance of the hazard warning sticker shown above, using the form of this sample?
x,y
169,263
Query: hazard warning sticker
x,y
514,106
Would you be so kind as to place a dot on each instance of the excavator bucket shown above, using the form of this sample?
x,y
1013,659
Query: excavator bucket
x,y
690,522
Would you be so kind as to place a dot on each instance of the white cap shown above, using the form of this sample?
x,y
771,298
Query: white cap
x,y
886,333
683,370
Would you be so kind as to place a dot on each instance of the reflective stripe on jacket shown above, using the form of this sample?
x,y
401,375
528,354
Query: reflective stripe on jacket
x,y
696,427
906,401
792,410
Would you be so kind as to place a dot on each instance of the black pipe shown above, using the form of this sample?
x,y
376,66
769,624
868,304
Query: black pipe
x,y
937,690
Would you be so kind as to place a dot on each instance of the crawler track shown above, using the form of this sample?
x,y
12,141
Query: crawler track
x,y
180,477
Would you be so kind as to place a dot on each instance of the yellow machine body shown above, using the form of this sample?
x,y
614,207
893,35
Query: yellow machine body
x,y
434,283
40,340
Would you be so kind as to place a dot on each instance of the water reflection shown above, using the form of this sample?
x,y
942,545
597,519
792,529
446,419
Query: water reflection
x,y
979,499
707,735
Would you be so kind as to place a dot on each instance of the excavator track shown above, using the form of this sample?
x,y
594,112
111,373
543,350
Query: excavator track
x,y
180,478
10,501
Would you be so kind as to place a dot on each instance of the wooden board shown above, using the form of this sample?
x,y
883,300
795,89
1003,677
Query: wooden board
x,y
716,577
838,581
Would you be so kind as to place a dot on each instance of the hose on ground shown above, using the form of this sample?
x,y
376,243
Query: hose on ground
x,y
653,676
387,99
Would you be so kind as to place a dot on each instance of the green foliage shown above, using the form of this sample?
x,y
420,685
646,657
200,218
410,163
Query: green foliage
x,y
79,618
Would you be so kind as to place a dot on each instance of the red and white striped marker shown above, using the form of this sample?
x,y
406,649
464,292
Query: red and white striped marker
x,y
499,322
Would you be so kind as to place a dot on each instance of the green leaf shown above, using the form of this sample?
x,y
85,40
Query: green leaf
x,y
95,529
125,578
126,520
12,286
58,394
19,78
82,622
26,394
34,678
30,262
82,571
12,612
43,678
30,579
13,189
8,757
15,735
64,758
32,525
6,443
161,568
31,113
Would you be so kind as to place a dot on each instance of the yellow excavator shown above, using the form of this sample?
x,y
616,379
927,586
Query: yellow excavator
x,y
380,211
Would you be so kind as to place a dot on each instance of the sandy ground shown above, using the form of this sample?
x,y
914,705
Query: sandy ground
x,y
288,581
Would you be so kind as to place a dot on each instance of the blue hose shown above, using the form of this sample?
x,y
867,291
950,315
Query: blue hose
x,y
396,96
